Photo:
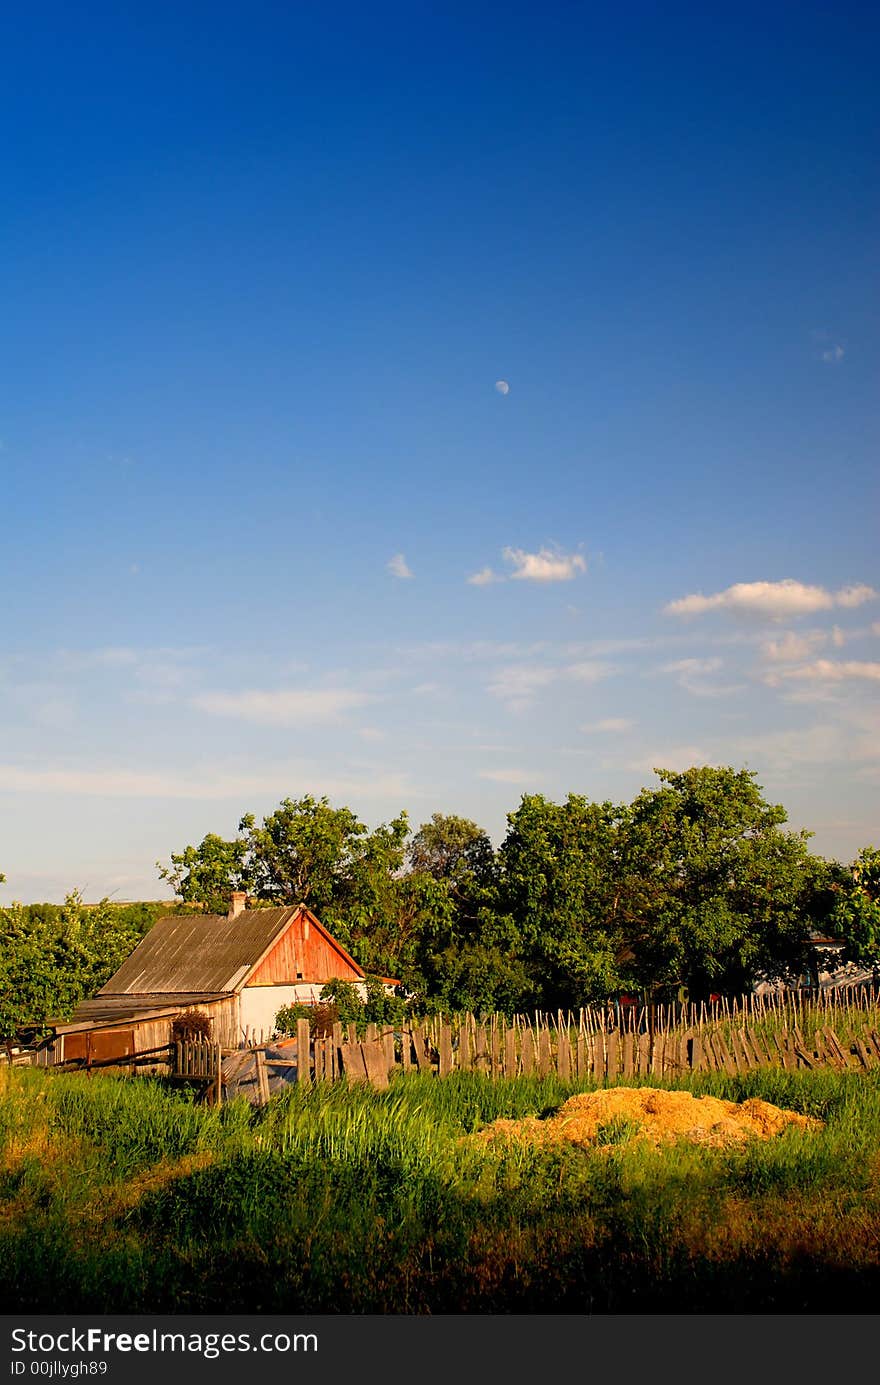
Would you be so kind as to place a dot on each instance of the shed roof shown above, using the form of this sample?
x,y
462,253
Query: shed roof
x,y
116,1009
200,953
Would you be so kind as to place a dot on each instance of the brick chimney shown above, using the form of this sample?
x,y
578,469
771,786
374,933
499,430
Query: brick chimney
x,y
237,903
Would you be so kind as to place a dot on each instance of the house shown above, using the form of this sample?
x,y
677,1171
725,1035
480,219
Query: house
x,y
238,970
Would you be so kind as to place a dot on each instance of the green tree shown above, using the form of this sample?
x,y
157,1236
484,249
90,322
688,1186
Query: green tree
x,y
207,874
558,905
855,917
52,957
726,892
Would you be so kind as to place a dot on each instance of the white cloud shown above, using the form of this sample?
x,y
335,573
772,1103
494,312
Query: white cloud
x,y
290,707
855,596
789,648
833,354
609,725
775,600
508,776
502,387
547,565
135,783
484,577
398,566
518,683
694,676
691,666
809,745
591,671
834,671
674,757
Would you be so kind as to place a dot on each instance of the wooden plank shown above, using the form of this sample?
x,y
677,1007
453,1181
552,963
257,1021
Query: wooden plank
x,y
510,1058
496,1055
482,1061
724,1058
684,1051
612,1058
464,1049
644,1053
837,1046
759,1044
581,1057
863,1055
697,1060
352,1059
527,1055
563,1055
406,1050
389,1047
420,1044
444,1045
740,1057
375,1062
544,1054
262,1079
626,1049
303,1054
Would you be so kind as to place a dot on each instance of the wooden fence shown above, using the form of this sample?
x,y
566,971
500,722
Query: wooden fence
x,y
606,1044
597,1045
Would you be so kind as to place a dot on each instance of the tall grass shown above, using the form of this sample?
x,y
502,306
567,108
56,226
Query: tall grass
x,y
119,1194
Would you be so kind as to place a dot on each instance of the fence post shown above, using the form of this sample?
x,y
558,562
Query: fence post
x,y
303,1051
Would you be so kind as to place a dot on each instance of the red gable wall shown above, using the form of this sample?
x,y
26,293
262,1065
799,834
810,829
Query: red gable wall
x,y
303,953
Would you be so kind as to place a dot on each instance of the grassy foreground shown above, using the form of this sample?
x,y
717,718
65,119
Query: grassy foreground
x,y
118,1195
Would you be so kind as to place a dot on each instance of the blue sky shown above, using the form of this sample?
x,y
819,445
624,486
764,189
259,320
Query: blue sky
x,y
271,526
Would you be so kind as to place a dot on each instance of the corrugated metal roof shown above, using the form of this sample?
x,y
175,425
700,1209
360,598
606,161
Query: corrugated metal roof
x,y
198,953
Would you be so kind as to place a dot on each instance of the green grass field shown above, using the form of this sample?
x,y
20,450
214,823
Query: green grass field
x,y
120,1195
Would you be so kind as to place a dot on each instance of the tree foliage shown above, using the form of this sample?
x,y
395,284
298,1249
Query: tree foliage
x,y
53,956
697,885
855,917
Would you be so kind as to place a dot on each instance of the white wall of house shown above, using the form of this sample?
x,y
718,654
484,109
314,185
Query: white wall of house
x,y
258,1005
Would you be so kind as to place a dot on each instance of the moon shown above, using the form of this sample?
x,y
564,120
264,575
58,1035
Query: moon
x,y
502,387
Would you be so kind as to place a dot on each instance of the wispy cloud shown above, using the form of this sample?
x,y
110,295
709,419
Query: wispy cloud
x,y
136,783
399,567
776,600
833,354
674,757
695,676
508,776
285,707
518,683
613,726
790,648
587,671
831,671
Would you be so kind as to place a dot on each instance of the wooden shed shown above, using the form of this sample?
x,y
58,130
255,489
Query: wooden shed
x,y
238,969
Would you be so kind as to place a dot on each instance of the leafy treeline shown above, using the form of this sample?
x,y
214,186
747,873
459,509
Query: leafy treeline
x,y
52,956
696,884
